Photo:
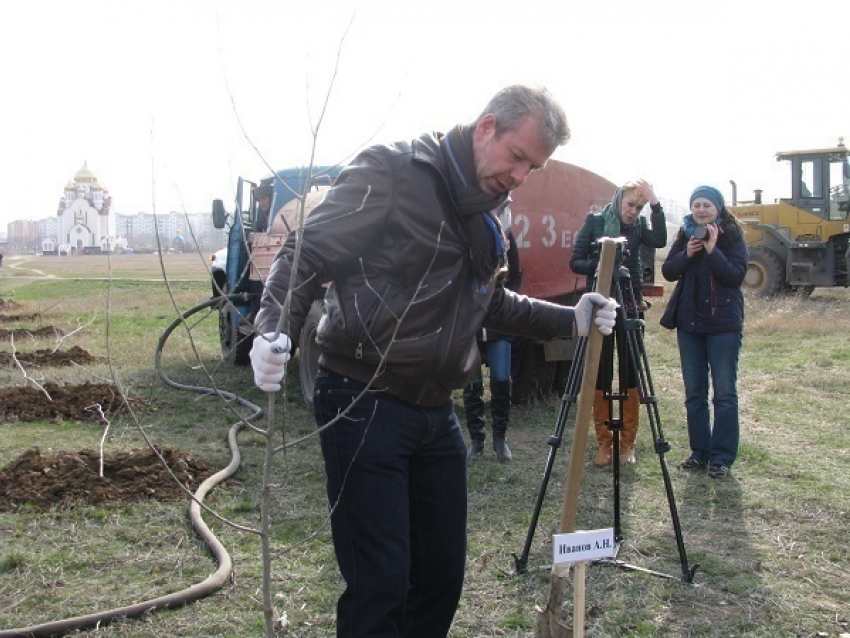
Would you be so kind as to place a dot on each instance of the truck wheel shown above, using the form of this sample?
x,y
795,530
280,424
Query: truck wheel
x,y
235,346
765,273
309,351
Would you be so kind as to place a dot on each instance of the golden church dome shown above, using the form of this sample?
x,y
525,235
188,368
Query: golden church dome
x,y
84,175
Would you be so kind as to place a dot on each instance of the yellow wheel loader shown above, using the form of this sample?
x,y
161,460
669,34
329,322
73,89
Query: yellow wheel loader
x,y
800,242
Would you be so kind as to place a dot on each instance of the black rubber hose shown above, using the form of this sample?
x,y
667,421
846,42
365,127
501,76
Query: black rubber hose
x,y
214,581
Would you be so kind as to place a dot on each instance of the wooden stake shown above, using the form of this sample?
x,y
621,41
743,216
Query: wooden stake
x,y
578,599
548,625
584,416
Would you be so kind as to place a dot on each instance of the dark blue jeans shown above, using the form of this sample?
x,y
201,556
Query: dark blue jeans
x,y
396,481
498,360
717,354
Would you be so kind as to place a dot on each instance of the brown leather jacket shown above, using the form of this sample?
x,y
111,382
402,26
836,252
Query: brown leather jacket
x,y
401,300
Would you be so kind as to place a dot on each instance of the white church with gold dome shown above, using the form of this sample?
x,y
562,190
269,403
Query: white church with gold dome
x,y
86,223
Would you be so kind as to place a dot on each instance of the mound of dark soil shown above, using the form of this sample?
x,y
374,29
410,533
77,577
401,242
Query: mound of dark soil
x,y
70,478
8,304
71,402
48,358
25,333
19,318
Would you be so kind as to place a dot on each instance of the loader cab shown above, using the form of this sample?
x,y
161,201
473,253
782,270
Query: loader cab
x,y
820,181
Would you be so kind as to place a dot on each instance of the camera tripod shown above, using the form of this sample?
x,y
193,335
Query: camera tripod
x,y
632,361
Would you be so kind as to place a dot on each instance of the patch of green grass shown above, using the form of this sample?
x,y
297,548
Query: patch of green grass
x,y
772,556
11,561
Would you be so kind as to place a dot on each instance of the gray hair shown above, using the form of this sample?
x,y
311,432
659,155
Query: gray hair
x,y
514,103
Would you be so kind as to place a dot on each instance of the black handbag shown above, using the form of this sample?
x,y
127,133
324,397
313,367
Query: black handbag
x,y
668,319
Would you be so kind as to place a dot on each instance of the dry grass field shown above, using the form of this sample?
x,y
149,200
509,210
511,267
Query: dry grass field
x,y
770,541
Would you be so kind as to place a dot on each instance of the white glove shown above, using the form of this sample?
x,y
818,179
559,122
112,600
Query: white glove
x,y
606,315
268,359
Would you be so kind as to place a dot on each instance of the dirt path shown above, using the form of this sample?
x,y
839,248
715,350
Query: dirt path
x,y
18,263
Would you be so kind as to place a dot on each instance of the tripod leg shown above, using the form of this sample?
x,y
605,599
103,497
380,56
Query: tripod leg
x,y
640,362
604,436
631,415
568,399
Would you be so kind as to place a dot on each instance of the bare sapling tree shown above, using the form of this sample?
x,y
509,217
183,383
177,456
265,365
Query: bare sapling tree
x,y
27,376
106,425
63,337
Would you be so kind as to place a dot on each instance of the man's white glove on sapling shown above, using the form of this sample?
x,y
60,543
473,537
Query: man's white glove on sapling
x,y
606,315
268,359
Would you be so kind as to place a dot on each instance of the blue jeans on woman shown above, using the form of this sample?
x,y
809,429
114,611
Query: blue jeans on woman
x,y
396,483
498,360
717,354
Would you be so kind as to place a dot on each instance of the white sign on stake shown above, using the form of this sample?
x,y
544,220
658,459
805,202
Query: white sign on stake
x,y
587,545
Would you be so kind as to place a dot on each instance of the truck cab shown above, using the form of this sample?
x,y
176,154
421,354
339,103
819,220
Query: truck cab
x,y
253,230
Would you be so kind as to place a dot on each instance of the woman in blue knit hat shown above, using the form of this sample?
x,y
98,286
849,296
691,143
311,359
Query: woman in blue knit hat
x,y
708,261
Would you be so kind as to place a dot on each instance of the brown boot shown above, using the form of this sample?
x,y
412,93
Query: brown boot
x,y
631,414
603,433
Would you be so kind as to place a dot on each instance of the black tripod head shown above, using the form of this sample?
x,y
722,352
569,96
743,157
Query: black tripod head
x,y
622,288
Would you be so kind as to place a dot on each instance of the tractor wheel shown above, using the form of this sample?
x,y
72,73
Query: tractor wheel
x,y
235,346
309,351
765,273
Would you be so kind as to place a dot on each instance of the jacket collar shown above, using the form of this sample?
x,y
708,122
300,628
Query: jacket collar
x,y
426,149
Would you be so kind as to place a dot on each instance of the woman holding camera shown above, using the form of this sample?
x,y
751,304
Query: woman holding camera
x,y
708,261
620,218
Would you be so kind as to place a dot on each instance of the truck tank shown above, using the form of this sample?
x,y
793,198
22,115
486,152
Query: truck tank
x,y
547,212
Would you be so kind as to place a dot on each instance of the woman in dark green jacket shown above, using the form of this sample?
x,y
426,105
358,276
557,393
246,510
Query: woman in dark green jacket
x,y
620,218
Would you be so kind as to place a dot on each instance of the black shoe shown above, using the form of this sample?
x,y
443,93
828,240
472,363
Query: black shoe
x,y
503,452
718,471
692,464
476,450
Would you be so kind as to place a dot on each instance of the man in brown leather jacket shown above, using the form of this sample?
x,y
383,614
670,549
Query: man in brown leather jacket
x,y
408,240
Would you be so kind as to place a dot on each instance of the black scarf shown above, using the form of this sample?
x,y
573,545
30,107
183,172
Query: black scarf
x,y
476,208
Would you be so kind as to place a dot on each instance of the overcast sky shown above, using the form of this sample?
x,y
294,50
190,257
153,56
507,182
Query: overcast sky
x,y
166,100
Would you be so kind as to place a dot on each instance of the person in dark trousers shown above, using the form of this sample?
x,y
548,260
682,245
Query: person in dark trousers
x,y
708,261
409,247
620,218
497,346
